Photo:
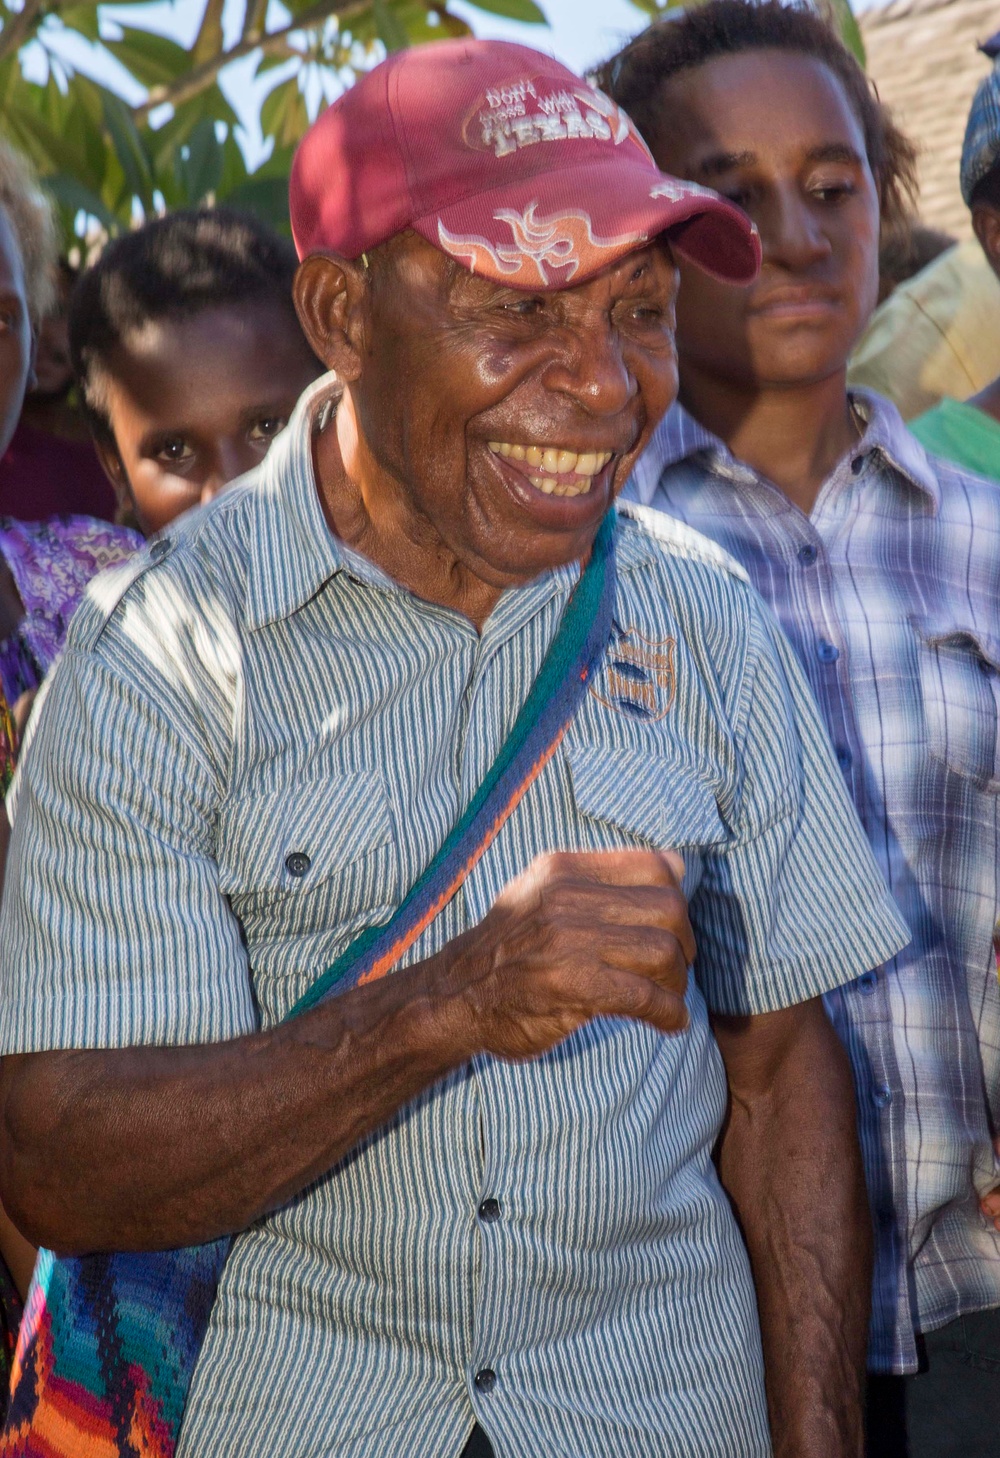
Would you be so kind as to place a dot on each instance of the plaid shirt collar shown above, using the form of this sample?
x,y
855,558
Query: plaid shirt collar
x,y
679,436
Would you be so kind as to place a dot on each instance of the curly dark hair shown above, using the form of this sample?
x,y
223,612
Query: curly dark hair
x,y
636,74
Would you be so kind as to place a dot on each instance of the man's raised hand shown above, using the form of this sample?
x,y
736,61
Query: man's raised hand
x,y
579,935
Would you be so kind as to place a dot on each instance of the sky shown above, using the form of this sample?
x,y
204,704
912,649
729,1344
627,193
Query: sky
x,y
580,33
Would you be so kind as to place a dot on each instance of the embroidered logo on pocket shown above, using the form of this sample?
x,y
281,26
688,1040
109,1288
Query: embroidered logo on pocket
x,y
638,677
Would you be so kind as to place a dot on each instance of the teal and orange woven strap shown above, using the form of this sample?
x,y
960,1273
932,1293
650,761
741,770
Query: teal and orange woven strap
x,y
8,746
109,1343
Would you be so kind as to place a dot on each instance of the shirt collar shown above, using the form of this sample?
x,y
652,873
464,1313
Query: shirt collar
x,y
679,436
292,549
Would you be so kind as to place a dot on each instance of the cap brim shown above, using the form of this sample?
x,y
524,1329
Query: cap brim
x,y
561,228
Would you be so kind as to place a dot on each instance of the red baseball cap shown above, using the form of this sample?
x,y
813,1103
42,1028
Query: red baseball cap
x,y
504,159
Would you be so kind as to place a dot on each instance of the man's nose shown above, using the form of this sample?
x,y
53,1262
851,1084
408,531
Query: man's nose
x,y
791,233
592,369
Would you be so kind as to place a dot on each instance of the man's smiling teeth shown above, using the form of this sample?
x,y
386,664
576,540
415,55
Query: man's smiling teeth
x,y
548,462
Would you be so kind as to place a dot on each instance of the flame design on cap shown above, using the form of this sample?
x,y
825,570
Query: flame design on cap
x,y
565,241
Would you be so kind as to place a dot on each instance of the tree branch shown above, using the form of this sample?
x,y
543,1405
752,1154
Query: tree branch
x,y
19,28
199,78
254,20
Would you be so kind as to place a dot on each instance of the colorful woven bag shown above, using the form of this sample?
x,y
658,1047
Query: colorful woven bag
x,y
109,1343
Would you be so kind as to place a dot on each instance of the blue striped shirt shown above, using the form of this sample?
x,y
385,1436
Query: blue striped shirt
x,y
251,688
890,595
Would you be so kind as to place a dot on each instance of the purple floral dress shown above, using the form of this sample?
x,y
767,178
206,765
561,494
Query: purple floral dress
x,y
51,563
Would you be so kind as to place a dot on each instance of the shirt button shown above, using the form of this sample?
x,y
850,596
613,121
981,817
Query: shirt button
x,y
489,1210
867,982
808,554
882,1096
297,863
844,757
827,652
485,1379
159,549
858,465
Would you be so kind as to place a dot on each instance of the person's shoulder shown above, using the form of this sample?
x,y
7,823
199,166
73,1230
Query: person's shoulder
x,y
662,539
196,566
668,572
967,500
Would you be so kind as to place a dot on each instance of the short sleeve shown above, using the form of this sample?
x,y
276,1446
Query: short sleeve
x,y
793,905
113,928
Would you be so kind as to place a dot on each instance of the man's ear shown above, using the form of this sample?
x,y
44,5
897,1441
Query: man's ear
x,y
986,226
331,294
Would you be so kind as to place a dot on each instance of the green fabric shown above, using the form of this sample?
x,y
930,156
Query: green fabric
x,y
961,433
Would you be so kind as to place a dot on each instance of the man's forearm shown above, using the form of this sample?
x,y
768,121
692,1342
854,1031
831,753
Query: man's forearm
x,y
149,1148
790,1162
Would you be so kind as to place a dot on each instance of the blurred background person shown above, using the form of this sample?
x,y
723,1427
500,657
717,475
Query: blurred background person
x,y
881,564
50,467
936,336
968,431
908,252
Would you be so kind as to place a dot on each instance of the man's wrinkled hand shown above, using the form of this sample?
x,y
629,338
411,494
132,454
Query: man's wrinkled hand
x,y
579,935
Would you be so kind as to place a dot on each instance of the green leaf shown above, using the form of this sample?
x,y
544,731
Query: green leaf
x,y
273,61
176,132
843,18
129,149
391,31
283,114
83,19
422,23
154,60
200,170
279,164
209,41
50,150
265,196
525,10
72,194
234,168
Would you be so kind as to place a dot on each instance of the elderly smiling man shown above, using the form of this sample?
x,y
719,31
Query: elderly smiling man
x,y
413,702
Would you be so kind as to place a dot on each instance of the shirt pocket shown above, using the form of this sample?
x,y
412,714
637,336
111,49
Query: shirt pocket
x,y
653,798
960,686
319,855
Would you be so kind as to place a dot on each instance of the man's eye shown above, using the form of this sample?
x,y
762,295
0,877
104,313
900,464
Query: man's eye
x,y
175,451
263,431
527,308
647,313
